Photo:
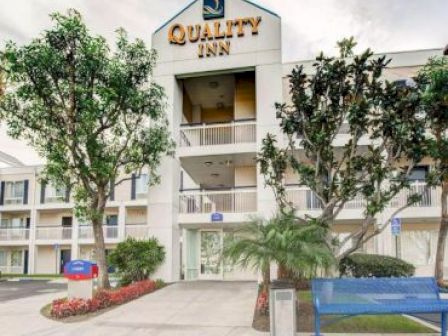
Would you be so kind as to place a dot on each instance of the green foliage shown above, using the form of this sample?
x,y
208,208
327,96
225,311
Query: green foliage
x,y
281,240
136,260
160,283
360,265
92,112
347,94
84,108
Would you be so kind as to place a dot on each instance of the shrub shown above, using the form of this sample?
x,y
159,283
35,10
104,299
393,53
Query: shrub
x,y
360,265
136,260
62,308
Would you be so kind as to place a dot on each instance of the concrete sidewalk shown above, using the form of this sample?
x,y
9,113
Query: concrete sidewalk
x,y
182,309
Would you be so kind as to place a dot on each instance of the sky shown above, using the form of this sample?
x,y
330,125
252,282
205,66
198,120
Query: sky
x,y
309,26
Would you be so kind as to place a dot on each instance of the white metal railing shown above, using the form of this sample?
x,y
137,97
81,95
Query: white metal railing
x,y
13,200
304,199
53,233
11,269
54,199
13,234
137,231
109,231
218,134
430,197
231,201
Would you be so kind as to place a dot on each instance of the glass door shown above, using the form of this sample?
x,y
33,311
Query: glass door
x,y
210,256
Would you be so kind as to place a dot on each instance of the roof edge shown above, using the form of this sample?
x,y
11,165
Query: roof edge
x,y
194,1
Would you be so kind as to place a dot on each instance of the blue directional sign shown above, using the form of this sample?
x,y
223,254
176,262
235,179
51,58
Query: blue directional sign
x,y
395,226
217,217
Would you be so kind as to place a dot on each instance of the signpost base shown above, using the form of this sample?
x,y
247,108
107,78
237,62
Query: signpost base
x,y
80,289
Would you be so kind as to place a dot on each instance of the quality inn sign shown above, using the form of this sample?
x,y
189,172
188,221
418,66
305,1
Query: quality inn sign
x,y
213,38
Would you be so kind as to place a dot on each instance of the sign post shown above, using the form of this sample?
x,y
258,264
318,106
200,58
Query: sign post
x,y
80,275
395,226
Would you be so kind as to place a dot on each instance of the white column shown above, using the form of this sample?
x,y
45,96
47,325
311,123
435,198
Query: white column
x,y
269,92
75,239
163,198
32,249
385,241
121,222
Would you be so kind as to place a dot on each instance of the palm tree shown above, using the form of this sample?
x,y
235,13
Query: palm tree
x,y
296,249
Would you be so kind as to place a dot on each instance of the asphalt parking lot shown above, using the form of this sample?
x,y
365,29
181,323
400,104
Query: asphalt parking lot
x,y
13,290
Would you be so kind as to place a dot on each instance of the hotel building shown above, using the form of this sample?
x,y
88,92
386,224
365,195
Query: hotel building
x,y
221,67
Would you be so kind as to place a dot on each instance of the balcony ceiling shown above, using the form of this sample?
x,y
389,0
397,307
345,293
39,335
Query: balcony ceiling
x,y
210,91
223,165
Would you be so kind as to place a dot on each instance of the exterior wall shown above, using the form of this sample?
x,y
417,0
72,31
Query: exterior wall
x,y
245,176
47,260
136,216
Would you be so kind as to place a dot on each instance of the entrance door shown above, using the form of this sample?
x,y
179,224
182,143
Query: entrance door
x,y
210,256
25,262
66,256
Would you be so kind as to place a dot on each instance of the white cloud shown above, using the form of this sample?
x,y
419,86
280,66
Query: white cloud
x,y
309,26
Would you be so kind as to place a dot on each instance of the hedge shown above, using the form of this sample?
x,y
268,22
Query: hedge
x,y
361,265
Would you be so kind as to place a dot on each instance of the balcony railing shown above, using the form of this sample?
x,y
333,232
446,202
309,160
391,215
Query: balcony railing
x,y
230,201
304,199
55,199
11,269
14,234
53,233
13,200
218,134
137,231
430,197
109,231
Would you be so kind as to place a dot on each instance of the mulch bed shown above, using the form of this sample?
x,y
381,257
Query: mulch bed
x,y
305,319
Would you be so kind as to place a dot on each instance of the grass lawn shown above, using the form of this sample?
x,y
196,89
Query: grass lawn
x,y
359,324
365,323
32,276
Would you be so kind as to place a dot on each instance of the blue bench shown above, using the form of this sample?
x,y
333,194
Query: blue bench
x,y
348,297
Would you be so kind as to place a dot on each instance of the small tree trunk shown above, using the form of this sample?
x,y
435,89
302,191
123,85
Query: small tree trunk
x,y
266,278
443,232
283,272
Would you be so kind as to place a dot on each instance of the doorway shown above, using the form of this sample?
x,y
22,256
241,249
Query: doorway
x,y
210,255
66,256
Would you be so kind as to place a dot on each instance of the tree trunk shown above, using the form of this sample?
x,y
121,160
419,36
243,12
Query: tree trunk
x,y
100,252
266,278
443,232
100,248
283,272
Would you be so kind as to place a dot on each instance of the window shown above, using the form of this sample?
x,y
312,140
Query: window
x,y
419,173
141,185
112,220
3,258
54,194
14,192
16,258
13,222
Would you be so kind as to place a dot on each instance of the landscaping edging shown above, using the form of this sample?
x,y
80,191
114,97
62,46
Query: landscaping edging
x,y
75,310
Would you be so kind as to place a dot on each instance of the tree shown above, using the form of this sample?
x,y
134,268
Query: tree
x,y
93,114
136,260
382,144
295,249
434,83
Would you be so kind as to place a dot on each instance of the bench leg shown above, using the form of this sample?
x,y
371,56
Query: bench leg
x,y
444,324
316,323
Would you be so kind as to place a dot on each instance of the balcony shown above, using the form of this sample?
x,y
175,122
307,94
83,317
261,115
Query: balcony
x,y
137,231
303,199
203,137
14,234
235,203
109,232
53,233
